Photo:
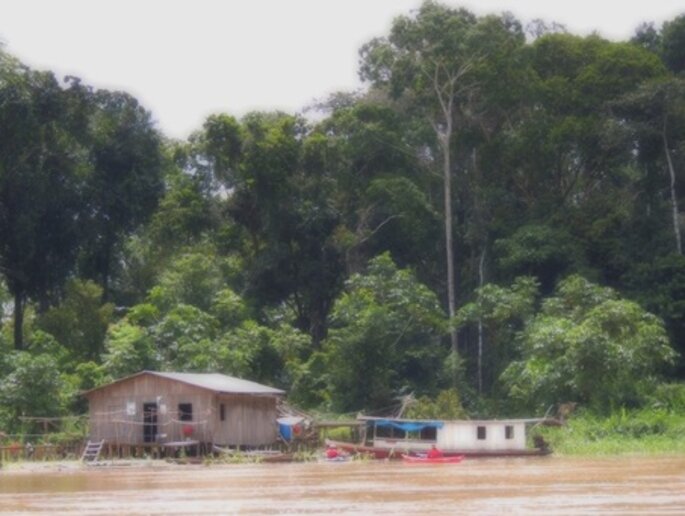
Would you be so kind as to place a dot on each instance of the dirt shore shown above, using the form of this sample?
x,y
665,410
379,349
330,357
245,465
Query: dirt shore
x,y
62,466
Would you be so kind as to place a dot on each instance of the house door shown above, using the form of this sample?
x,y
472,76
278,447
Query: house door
x,y
149,422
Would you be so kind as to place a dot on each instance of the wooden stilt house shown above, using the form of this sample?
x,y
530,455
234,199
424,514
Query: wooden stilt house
x,y
157,408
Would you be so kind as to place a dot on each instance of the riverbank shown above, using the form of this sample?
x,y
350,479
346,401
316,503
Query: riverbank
x,y
64,466
637,432
246,458
645,432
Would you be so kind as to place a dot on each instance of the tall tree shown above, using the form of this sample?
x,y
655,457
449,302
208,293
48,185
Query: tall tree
x,y
433,58
673,44
381,189
276,189
657,111
571,167
126,181
42,172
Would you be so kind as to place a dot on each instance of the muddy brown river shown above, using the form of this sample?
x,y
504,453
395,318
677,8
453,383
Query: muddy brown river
x,y
487,486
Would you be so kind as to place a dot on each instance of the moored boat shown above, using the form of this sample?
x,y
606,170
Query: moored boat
x,y
417,459
385,438
373,452
339,458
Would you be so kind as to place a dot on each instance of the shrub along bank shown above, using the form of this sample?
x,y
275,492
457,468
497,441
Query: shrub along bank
x,y
643,431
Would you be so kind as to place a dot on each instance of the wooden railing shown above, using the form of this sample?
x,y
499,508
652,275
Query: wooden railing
x,y
16,451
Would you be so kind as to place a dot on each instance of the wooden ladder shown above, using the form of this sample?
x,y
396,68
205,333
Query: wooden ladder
x,y
92,451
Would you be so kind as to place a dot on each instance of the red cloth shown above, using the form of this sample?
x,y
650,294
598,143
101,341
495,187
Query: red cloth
x,y
331,453
434,453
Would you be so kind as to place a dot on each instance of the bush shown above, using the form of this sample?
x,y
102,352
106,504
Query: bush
x,y
668,396
645,431
32,388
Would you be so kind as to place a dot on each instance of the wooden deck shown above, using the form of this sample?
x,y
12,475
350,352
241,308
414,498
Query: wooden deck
x,y
155,450
15,452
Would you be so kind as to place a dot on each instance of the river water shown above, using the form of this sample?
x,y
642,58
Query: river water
x,y
547,485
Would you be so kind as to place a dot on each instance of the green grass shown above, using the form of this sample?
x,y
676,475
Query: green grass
x,y
636,432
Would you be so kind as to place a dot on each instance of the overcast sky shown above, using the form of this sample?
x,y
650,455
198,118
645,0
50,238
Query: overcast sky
x,y
187,59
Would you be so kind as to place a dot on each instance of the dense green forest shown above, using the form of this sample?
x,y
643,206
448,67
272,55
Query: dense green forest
x,y
495,217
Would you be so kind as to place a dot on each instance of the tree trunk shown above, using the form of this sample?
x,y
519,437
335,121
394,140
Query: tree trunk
x,y
674,198
447,178
481,281
445,94
481,268
105,265
18,321
318,329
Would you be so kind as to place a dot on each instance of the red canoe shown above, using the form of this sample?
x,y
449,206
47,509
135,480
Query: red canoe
x,y
452,459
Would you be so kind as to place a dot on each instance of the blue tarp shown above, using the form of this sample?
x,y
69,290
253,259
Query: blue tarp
x,y
290,426
414,426
286,431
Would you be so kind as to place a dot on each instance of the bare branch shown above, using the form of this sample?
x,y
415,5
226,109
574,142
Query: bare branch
x,y
378,228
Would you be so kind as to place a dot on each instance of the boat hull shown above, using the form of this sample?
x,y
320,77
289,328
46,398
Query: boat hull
x,y
412,459
397,453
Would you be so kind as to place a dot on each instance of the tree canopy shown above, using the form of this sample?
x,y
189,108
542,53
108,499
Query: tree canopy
x,y
494,223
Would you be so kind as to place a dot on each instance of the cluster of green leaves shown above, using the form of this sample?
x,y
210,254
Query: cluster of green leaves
x,y
385,340
446,405
588,345
194,321
79,170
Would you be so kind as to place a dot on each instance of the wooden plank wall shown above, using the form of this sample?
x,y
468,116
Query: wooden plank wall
x,y
250,420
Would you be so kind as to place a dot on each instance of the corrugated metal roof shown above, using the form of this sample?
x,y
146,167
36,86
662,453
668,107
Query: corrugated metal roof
x,y
212,381
220,383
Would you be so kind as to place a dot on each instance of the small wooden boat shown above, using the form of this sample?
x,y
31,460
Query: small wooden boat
x,y
418,459
339,458
370,451
254,455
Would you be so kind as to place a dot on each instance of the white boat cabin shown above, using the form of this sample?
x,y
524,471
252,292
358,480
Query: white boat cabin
x,y
460,435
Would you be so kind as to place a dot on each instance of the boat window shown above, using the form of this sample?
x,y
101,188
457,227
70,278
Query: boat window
x,y
389,432
481,433
429,433
508,432
383,431
185,411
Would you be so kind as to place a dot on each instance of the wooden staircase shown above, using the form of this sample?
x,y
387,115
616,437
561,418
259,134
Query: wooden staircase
x,y
91,452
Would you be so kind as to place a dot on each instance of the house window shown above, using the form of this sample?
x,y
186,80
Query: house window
x,y
222,412
185,411
508,432
481,433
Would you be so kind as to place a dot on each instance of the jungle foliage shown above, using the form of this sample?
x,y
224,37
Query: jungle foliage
x,y
493,224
